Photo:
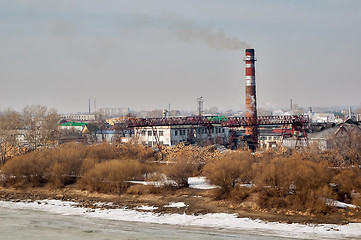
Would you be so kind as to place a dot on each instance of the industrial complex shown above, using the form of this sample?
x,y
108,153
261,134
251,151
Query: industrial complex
x,y
251,131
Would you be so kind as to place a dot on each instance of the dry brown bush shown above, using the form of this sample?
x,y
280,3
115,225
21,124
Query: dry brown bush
x,y
136,152
294,183
66,162
103,151
239,194
111,176
229,171
180,170
139,189
348,183
28,170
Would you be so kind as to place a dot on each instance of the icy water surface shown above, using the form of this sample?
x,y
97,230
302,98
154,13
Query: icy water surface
x,y
54,219
34,224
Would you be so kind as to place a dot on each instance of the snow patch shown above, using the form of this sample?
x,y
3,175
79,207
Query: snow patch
x,y
147,208
176,205
199,183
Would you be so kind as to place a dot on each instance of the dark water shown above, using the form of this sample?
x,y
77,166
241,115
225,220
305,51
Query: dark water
x,y
36,224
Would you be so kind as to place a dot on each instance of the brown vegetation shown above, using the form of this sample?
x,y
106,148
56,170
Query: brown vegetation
x,y
279,180
294,183
111,176
229,171
181,169
69,162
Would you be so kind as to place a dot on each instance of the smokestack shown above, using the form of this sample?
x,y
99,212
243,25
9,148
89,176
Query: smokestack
x,y
251,104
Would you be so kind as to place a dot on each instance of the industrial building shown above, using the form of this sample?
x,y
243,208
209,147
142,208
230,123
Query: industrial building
x,y
328,138
174,134
79,117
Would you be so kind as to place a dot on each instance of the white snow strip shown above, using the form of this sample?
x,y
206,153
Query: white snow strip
x,y
216,220
199,183
194,182
176,205
147,208
339,204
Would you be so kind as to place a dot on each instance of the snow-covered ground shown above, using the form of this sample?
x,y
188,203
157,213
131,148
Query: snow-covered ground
x,y
217,220
199,183
194,182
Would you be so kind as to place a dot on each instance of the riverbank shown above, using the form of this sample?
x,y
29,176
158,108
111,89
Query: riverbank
x,y
46,213
188,201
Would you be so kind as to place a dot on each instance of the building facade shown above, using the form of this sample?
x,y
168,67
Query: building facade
x,y
172,135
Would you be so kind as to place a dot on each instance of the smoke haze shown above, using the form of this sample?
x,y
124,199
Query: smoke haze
x,y
188,31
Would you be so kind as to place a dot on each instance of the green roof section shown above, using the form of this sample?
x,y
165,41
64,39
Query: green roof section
x,y
218,118
74,124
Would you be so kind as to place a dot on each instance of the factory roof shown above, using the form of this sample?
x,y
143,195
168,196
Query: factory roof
x,y
329,133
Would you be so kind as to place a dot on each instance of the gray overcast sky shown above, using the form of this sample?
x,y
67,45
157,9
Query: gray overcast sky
x,y
151,53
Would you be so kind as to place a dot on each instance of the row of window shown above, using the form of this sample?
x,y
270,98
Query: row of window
x,y
150,132
181,132
270,138
198,131
152,143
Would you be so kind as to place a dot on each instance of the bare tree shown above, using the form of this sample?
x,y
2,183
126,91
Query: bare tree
x,y
50,129
9,125
40,126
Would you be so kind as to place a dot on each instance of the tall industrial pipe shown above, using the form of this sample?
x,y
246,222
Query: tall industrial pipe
x,y
251,103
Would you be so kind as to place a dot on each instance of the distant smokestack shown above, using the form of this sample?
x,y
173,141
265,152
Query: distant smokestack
x,y
251,103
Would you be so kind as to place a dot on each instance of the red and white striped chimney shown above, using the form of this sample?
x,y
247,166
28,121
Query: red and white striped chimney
x,y
251,103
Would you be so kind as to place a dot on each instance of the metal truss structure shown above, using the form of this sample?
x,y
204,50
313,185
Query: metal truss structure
x,y
298,122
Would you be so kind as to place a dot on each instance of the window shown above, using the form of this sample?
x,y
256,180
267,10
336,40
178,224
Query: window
x,y
175,133
149,143
150,133
184,132
161,142
143,132
161,133
222,130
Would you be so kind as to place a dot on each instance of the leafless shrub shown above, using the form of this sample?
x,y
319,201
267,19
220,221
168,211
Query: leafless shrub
x,y
180,170
294,183
136,152
103,151
229,171
348,182
111,176
26,171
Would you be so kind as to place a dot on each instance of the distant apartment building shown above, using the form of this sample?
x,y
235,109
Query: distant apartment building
x,y
114,112
79,117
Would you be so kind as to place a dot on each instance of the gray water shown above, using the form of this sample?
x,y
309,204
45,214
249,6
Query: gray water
x,y
36,224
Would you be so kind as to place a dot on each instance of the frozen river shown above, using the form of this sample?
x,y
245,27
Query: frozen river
x,y
61,220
